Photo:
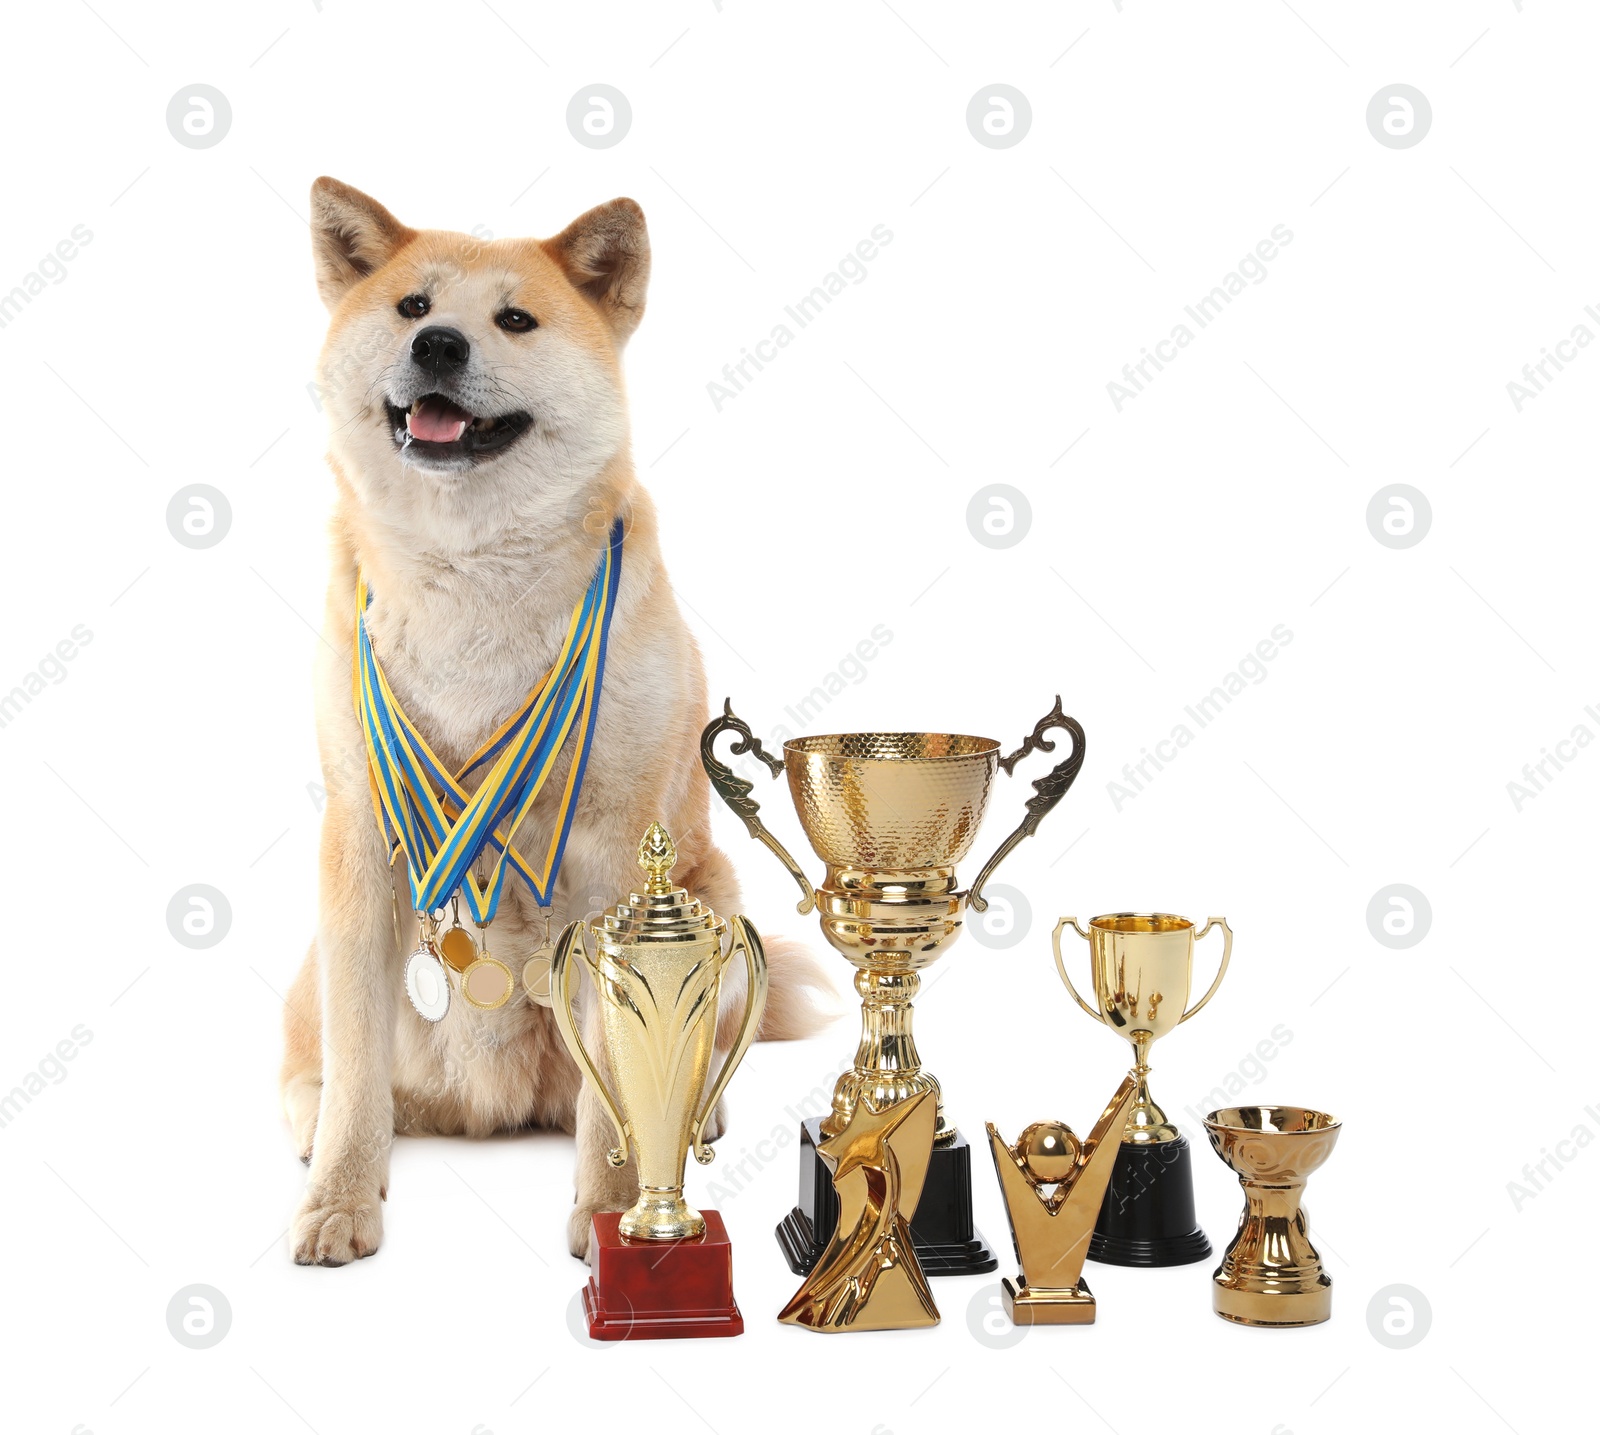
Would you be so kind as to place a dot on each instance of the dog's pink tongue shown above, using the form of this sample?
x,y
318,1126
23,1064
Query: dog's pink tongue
x,y
437,420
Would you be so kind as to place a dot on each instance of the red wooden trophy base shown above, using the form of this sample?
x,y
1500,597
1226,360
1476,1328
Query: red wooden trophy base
x,y
660,1290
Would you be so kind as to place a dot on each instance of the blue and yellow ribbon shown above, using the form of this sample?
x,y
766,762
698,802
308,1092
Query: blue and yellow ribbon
x,y
444,828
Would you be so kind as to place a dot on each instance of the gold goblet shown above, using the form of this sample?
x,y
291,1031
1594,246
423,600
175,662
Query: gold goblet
x,y
1271,1274
891,814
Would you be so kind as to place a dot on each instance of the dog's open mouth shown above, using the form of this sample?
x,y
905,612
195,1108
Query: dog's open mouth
x,y
435,427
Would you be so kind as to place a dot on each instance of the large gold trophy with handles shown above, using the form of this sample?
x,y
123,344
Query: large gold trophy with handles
x,y
890,814
661,1268
1141,966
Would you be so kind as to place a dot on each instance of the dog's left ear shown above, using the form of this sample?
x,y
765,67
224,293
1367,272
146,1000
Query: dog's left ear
x,y
606,256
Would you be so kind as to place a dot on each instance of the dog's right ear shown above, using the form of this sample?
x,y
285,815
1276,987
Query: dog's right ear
x,y
351,235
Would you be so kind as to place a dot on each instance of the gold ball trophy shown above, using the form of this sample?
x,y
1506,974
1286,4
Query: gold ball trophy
x,y
1054,1184
890,814
1141,965
661,1269
1271,1274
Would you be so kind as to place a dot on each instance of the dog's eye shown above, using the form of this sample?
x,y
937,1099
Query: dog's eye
x,y
413,306
516,321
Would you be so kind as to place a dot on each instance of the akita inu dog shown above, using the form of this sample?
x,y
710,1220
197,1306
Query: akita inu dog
x,y
480,451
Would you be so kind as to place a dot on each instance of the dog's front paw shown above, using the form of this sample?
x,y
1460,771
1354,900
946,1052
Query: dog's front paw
x,y
579,1228
333,1230
302,1100
716,1124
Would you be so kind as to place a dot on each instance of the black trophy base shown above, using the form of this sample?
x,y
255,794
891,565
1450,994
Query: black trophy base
x,y
1147,1218
946,1241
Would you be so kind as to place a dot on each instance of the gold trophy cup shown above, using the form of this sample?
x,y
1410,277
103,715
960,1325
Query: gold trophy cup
x,y
890,814
661,1267
1271,1274
1141,965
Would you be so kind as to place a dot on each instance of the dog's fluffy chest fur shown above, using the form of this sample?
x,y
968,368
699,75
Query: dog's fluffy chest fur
x,y
462,647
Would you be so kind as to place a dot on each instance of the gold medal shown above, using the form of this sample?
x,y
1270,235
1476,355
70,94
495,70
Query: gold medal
x,y
457,946
487,984
536,970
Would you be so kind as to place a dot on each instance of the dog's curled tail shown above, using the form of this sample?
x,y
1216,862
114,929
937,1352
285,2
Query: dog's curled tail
x,y
801,1000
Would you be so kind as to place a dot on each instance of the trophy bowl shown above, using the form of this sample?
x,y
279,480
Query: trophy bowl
x,y
1271,1274
890,814
1141,967
1281,1145
891,800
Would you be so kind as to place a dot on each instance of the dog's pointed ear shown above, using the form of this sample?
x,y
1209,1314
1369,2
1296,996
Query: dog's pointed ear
x,y
351,235
606,256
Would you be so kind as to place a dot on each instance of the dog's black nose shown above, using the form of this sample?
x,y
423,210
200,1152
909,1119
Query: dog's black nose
x,y
441,351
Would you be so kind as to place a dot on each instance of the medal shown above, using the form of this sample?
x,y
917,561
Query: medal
x,y
445,819
426,982
457,946
536,970
486,983
427,985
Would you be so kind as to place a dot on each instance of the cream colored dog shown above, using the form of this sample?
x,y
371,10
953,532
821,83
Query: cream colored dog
x,y
480,452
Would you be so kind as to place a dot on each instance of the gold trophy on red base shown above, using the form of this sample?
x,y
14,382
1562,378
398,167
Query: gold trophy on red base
x,y
661,1268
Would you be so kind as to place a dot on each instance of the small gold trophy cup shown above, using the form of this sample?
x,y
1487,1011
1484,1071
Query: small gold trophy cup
x,y
661,1268
1271,1274
1141,965
1054,1185
890,814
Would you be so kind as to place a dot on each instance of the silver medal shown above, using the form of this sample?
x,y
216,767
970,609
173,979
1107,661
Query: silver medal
x,y
427,985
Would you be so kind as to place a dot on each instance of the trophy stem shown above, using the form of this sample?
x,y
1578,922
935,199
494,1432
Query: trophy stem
x,y
661,1214
1147,1123
887,1068
1271,1274
1277,1202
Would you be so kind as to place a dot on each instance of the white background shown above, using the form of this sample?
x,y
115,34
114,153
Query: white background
x,y
1166,541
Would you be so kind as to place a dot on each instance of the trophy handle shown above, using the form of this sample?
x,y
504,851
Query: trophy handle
x,y
1061,966
744,939
561,969
735,791
1227,951
1048,790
